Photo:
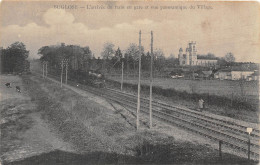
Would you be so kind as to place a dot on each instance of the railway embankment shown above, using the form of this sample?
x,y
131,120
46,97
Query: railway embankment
x,y
71,126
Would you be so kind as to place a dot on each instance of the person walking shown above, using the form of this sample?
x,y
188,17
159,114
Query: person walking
x,y
201,104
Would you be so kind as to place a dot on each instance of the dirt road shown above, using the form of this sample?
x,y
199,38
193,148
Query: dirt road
x,y
23,131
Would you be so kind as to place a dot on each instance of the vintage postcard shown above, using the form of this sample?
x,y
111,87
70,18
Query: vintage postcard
x,y
129,82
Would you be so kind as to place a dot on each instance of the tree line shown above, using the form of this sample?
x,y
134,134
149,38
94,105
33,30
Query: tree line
x,y
111,58
82,58
14,58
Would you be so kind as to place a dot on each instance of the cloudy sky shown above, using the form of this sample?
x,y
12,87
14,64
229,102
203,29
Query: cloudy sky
x,y
222,27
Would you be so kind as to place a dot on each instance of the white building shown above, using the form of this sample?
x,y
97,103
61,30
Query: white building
x,y
206,62
238,75
229,74
190,58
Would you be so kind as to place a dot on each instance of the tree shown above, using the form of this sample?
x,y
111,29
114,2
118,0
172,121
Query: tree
x,y
158,53
159,62
132,54
229,57
171,61
133,51
207,56
15,57
87,53
79,57
117,58
108,51
222,61
118,54
172,56
45,52
53,54
146,61
210,56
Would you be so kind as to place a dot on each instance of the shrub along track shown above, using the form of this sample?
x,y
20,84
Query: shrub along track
x,y
71,130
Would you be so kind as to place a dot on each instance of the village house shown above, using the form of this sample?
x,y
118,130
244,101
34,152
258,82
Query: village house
x,y
235,74
205,74
206,62
254,76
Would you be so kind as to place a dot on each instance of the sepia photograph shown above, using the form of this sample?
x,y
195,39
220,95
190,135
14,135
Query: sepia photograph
x,y
129,82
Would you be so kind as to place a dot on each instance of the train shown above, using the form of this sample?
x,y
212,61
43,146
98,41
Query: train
x,y
90,77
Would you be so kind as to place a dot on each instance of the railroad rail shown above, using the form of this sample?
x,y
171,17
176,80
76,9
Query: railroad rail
x,y
230,133
242,139
198,115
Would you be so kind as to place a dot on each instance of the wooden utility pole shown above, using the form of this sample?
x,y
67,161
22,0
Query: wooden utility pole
x,y
151,83
46,71
127,66
61,73
232,95
249,130
43,70
122,78
66,63
139,85
248,156
220,150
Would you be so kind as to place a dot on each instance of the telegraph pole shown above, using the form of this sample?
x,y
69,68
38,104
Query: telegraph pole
x,y
122,78
43,69
151,83
66,63
61,73
249,130
139,85
46,71
248,152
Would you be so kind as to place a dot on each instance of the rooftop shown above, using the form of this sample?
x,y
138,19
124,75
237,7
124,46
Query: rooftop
x,y
236,69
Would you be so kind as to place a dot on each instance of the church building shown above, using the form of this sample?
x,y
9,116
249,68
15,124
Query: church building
x,y
190,57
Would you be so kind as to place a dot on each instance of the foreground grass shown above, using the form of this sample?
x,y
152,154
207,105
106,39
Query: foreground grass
x,y
14,121
102,136
14,116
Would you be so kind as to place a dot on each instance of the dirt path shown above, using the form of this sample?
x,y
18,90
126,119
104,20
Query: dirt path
x,y
80,108
23,132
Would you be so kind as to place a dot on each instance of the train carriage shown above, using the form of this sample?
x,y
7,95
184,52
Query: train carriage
x,y
91,77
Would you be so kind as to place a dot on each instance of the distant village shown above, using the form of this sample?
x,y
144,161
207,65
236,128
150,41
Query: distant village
x,y
194,66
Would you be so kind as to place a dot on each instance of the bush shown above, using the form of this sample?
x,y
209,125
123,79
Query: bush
x,y
210,99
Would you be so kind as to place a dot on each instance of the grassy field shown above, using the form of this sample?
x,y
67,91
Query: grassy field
x,y
95,134
236,92
216,87
219,105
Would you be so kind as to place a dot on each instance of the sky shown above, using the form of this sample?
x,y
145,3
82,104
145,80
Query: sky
x,y
217,27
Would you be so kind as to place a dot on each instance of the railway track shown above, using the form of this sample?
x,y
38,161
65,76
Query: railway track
x,y
236,128
229,133
230,128
207,125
